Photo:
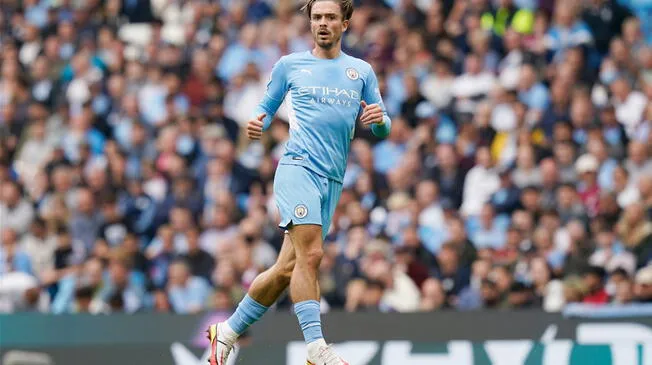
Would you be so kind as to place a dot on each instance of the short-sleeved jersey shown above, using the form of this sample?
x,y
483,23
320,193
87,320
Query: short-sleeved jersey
x,y
323,101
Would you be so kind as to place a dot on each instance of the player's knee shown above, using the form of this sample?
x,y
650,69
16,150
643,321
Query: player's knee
x,y
313,256
308,245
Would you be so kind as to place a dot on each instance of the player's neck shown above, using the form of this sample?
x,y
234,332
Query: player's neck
x,y
329,54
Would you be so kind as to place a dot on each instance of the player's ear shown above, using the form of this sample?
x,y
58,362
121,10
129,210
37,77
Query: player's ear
x,y
345,25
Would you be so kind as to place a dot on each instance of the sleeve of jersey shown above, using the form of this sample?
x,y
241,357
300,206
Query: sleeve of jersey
x,y
277,86
372,95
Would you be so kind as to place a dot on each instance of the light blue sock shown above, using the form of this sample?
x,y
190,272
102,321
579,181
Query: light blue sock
x,y
248,312
309,319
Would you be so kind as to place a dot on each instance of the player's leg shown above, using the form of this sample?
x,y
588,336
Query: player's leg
x,y
304,285
307,240
298,199
308,243
269,285
264,291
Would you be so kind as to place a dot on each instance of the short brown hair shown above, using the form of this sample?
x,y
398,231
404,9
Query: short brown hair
x,y
346,6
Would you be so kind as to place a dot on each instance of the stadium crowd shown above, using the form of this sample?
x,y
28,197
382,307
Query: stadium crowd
x,y
517,173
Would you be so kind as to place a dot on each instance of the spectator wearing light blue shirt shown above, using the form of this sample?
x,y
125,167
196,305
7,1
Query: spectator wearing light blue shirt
x,y
643,10
395,94
444,128
532,92
544,243
36,13
91,276
389,152
81,132
188,294
238,55
490,232
12,258
567,31
130,285
152,97
607,164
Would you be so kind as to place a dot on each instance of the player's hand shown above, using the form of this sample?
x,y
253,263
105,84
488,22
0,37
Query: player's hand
x,y
371,114
255,127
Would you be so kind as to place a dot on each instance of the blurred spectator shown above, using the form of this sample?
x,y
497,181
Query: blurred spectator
x,y
645,189
643,285
413,99
469,298
400,293
594,282
85,222
521,297
187,293
200,262
264,254
610,253
453,276
373,296
605,19
437,87
407,261
388,152
85,285
12,257
125,289
34,151
588,189
491,231
474,84
635,231
432,295
15,212
506,198
629,104
574,290
480,183
548,290
638,163
567,31
40,246
624,293
113,229
489,294
459,240
526,172
222,301
532,93
448,175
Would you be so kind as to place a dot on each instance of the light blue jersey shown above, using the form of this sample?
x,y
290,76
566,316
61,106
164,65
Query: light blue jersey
x,y
323,98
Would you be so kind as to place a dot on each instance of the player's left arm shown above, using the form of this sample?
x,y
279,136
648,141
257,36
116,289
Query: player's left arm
x,y
373,108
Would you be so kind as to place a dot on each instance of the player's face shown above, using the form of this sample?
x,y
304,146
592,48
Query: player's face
x,y
327,24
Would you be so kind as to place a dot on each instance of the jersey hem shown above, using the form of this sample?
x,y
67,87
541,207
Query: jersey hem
x,y
311,170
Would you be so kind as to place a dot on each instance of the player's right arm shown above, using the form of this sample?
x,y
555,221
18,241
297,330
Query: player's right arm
x,y
277,87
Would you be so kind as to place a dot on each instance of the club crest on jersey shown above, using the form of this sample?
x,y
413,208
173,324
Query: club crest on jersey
x,y
300,211
352,73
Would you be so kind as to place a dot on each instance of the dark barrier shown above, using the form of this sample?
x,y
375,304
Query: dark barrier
x,y
475,338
